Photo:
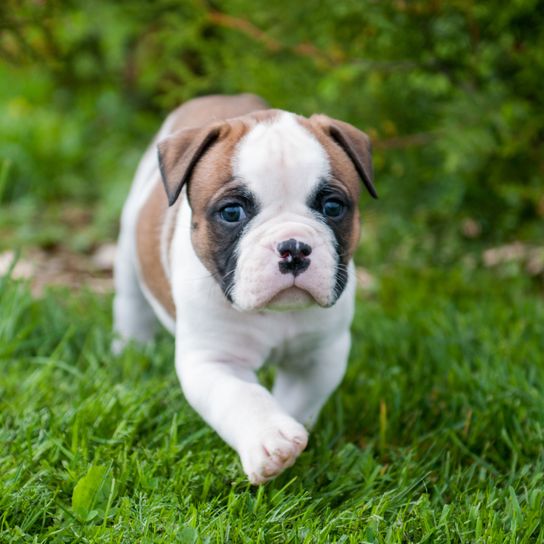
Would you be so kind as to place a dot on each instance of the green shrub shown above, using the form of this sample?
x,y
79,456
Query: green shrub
x,y
449,92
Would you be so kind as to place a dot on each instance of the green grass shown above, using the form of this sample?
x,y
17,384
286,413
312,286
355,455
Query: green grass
x,y
436,434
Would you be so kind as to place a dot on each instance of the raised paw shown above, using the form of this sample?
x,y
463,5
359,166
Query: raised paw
x,y
273,448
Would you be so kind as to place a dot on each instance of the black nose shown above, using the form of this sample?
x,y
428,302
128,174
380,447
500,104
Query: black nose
x,y
294,256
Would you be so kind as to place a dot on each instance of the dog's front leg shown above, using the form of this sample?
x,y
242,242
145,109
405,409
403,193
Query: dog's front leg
x,y
303,386
229,398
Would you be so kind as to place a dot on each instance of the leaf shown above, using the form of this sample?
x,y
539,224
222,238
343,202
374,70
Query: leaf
x,y
90,494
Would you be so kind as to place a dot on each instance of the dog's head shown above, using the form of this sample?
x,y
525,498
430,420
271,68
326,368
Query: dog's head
x,y
274,203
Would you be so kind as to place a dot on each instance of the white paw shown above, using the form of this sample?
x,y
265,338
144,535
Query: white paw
x,y
273,448
118,346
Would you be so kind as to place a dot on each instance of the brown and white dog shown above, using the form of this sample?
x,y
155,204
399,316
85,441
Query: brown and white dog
x,y
237,235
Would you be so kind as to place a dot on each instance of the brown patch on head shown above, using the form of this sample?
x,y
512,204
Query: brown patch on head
x,y
209,177
194,128
202,159
212,182
181,152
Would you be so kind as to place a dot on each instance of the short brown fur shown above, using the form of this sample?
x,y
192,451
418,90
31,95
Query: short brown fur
x,y
211,175
148,242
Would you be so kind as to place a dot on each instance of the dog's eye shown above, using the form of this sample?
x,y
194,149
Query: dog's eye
x,y
333,208
233,213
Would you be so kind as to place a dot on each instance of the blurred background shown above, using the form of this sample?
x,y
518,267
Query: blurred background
x,y
450,93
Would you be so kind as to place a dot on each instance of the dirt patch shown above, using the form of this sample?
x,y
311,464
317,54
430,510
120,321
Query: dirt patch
x,y
531,258
61,267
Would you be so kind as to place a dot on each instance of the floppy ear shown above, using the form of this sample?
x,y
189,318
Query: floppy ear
x,y
355,143
179,154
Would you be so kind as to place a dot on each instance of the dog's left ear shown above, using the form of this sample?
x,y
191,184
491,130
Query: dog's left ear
x,y
180,153
354,142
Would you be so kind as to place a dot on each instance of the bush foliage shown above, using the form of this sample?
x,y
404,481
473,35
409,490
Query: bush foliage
x,y
450,93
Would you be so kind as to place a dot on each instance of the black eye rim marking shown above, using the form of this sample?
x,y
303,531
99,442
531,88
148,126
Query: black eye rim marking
x,y
227,234
329,190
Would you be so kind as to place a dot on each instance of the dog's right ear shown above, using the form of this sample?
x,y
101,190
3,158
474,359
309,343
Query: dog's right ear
x,y
180,153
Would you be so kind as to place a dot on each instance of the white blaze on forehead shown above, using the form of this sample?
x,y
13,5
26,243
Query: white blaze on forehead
x,y
280,161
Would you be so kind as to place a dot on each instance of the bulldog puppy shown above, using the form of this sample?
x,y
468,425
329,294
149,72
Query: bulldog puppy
x,y
238,235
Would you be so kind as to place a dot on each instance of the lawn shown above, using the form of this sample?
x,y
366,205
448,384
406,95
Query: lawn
x,y
435,434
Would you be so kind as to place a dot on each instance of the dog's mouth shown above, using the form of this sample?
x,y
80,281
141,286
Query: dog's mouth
x,y
292,298
260,288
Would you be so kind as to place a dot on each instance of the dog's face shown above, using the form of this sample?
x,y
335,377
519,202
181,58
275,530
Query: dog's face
x,y
274,204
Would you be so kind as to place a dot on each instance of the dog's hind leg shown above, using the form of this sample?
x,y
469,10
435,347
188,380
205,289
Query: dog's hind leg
x,y
133,317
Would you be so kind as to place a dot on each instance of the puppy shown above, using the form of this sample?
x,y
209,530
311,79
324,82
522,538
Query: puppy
x,y
238,235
